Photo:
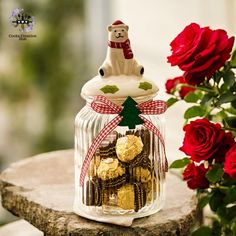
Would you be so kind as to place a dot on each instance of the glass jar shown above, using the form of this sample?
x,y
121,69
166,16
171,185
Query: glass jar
x,y
126,175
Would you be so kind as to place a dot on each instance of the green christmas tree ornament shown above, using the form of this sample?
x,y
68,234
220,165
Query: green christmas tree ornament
x,y
130,114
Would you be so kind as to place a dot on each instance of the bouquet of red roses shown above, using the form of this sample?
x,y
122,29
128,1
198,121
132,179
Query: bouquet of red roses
x,y
208,82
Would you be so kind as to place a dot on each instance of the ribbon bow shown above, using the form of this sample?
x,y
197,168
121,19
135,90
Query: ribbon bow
x,y
102,105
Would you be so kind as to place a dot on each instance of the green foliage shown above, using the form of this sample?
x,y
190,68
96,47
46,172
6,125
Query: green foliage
x,y
203,201
230,195
46,70
180,163
233,104
145,85
229,78
202,231
130,114
216,199
233,60
191,97
216,228
230,121
171,101
226,98
194,111
215,99
215,174
109,89
207,99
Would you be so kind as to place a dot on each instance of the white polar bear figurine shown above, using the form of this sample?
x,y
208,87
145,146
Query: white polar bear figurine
x,y
119,58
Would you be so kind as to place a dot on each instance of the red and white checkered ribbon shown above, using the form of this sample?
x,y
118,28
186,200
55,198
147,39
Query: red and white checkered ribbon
x,y
102,105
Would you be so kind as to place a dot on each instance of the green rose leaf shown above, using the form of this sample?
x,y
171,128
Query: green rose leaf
x,y
109,89
229,78
233,60
191,97
230,121
224,88
206,100
227,213
234,227
226,97
219,116
218,76
203,201
216,228
194,111
216,200
171,101
232,212
180,163
231,110
215,174
230,196
233,104
233,87
145,85
202,231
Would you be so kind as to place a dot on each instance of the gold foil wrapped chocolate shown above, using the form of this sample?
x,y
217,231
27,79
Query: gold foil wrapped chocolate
x,y
141,174
122,174
126,197
128,147
151,189
109,197
110,168
131,197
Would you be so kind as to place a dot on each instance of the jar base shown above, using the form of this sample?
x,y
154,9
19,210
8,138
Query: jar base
x,y
116,216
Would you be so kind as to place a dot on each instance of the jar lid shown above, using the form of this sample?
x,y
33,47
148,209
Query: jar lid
x,y
119,87
120,75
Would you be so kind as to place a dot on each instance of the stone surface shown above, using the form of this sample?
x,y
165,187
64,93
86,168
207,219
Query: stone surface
x,y
19,228
41,190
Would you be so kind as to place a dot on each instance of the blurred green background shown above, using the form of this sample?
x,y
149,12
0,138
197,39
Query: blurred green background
x,y
40,79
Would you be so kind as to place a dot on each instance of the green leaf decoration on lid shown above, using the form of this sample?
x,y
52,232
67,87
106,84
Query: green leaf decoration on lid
x,y
109,89
130,114
145,85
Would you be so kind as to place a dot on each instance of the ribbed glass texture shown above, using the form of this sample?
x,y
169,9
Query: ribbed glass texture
x,y
113,185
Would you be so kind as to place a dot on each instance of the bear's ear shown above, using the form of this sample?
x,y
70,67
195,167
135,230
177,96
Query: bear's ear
x,y
127,27
109,28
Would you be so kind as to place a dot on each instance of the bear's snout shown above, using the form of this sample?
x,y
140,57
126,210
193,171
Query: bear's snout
x,y
119,35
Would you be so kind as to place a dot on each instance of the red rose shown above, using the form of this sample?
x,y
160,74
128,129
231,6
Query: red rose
x,y
200,52
226,143
204,139
172,83
230,162
195,176
184,90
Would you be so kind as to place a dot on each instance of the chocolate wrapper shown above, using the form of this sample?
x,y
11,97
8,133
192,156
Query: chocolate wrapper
x,y
92,197
128,147
131,197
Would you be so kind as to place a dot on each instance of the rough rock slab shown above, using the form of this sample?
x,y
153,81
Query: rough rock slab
x,y
40,189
